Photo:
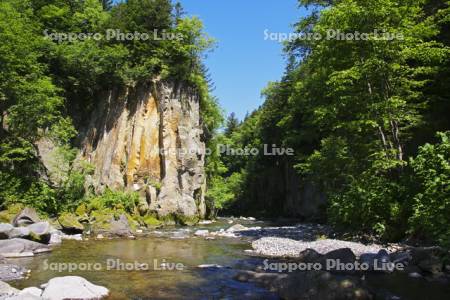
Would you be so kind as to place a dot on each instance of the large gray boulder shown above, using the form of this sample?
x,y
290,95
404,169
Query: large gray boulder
x,y
19,232
5,228
40,231
10,272
6,290
21,248
26,217
72,287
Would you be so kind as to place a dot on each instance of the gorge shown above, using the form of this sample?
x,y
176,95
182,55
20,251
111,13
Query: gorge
x,y
115,150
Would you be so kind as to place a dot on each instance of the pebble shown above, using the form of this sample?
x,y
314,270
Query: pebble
x,y
414,275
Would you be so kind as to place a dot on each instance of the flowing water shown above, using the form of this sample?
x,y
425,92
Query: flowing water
x,y
134,269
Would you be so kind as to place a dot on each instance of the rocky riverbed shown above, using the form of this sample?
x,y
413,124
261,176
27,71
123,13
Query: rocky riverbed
x,y
237,258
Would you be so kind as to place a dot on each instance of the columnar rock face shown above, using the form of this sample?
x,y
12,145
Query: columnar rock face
x,y
148,139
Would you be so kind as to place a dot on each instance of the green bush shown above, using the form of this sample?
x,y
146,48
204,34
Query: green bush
x,y
120,200
431,208
370,203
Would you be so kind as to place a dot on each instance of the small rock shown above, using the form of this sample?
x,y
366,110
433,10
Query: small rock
x,y
55,239
414,275
230,221
205,222
100,237
120,227
75,237
201,233
237,227
210,266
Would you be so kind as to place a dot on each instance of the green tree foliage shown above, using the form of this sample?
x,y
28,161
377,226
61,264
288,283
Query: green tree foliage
x,y
232,124
355,112
49,87
431,204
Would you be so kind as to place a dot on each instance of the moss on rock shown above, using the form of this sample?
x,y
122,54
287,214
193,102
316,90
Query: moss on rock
x,y
70,221
151,221
8,215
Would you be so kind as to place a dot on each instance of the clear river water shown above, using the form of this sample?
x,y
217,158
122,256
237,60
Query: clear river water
x,y
141,268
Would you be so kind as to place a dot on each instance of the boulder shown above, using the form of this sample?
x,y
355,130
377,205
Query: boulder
x,y
120,227
21,248
73,287
69,223
310,256
26,217
10,272
55,239
381,257
5,228
19,232
344,255
339,256
40,232
29,293
403,257
7,290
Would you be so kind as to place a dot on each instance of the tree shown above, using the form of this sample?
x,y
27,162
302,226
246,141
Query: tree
x,y
232,124
107,4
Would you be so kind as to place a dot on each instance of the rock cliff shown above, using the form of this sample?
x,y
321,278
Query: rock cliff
x,y
149,139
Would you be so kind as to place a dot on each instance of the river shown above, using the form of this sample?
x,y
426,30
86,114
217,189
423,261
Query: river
x,y
140,268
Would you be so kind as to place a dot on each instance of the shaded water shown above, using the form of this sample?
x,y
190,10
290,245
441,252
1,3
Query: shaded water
x,y
168,246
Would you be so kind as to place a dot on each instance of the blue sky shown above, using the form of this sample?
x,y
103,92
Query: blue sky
x,y
243,62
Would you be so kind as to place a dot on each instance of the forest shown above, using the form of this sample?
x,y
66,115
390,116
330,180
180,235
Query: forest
x,y
368,120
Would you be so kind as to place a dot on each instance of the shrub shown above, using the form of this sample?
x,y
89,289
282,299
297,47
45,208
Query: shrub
x,y
126,201
431,208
